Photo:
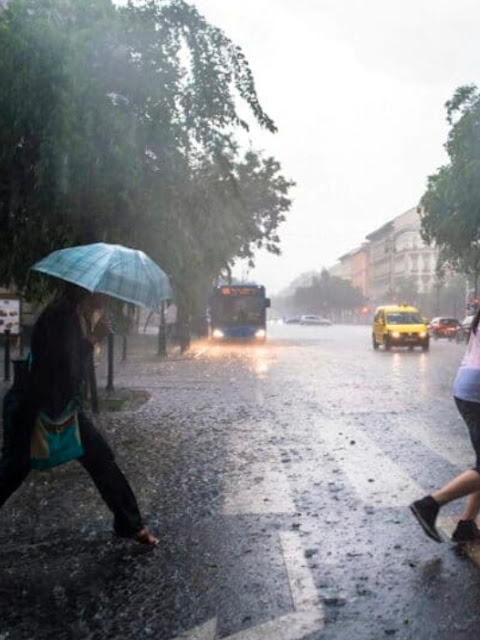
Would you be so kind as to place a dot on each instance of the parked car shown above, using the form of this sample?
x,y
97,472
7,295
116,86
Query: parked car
x,y
463,331
312,319
442,327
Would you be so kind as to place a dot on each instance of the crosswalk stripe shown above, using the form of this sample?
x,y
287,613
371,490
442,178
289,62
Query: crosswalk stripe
x,y
376,478
302,588
295,626
457,452
256,482
205,631
308,616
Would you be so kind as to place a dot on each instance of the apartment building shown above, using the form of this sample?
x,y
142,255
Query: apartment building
x,y
392,256
398,254
354,266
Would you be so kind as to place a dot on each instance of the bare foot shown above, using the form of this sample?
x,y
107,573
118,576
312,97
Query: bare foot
x,y
144,536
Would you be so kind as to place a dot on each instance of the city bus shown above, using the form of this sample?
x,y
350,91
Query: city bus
x,y
238,311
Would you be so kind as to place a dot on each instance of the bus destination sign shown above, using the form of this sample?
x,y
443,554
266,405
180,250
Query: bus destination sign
x,y
240,291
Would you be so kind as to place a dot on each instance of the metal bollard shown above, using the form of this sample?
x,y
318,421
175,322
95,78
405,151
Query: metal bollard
x,y
21,369
6,376
184,337
162,333
111,350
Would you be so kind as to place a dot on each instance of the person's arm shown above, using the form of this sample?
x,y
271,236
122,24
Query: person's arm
x,y
101,330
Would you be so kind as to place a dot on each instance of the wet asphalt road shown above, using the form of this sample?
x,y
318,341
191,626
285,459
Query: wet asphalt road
x,y
278,477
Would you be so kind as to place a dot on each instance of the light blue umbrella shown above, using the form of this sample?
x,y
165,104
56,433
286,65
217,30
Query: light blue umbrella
x,y
121,272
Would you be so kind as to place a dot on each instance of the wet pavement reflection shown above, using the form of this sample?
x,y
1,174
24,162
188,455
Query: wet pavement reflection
x,y
278,477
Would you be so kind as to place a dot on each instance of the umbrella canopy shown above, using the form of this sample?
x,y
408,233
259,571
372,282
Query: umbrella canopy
x,y
121,272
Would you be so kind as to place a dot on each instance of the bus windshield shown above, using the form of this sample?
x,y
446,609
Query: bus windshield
x,y
239,310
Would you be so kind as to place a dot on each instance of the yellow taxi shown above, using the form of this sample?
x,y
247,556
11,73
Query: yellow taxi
x,y
399,326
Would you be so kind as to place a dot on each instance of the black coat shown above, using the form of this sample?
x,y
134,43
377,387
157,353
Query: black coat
x,y
59,354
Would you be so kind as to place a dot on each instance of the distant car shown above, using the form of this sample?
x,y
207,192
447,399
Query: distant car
x,y
442,327
463,331
312,319
292,320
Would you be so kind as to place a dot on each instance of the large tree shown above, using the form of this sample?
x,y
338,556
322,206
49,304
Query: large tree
x,y
450,208
327,294
119,125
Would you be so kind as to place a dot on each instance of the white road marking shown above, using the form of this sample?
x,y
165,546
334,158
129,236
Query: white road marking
x,y
200,352
205,631
256,482
459,452
258,395
303,590
256,490
308,616
292,627
372,474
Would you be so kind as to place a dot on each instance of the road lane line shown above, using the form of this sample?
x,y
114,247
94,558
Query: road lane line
x,y
206,631
303,590
376,478
258,490
309,615
256,482
291,627
458,452
200,352
259,399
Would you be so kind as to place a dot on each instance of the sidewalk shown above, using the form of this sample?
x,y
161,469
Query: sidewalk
x,y
64,574
142,359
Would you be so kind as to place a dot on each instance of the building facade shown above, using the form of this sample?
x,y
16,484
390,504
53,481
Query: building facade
x,y
399,260
360,268
354,267
393,263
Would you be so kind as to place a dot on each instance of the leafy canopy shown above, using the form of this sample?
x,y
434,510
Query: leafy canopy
x,y
119,124
450,207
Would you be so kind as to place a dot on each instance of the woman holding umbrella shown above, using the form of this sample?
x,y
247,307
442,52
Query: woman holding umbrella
x,y
61,345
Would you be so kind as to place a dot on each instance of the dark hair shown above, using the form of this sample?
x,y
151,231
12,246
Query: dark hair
x,y
475,321
73,292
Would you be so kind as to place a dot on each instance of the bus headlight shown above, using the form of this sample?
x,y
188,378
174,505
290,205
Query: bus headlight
x,y
260,333
217,333
422,334
395,334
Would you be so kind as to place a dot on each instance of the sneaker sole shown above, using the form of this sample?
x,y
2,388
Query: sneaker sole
x,y
475,541
460,540
430,531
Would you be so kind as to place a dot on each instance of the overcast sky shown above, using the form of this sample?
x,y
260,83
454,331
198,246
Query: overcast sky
x,y
357,89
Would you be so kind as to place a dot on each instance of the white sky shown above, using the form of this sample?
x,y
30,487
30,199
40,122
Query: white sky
x,y
357,89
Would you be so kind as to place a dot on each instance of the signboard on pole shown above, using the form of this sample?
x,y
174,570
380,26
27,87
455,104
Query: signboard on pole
x,y
10,315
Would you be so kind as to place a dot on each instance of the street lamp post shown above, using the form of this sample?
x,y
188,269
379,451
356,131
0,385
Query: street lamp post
x,y
162,332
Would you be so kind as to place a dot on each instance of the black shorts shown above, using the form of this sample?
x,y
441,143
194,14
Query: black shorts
x,y
470,412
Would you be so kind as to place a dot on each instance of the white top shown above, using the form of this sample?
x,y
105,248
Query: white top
x,y
467,381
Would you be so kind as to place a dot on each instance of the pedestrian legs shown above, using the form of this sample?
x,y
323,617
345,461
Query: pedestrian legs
x,y
17,427
465,484
114,488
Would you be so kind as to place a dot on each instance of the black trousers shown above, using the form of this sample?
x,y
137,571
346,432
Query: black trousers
x,y
98,460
